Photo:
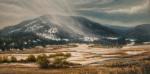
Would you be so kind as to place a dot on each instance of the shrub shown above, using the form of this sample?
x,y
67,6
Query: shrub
x,y
31,58
52,55
68,55
42,61
1,59
22,61
60,62
5,59
13,59
60,54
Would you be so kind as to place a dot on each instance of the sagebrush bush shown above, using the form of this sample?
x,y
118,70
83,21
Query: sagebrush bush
x,y
31,58
56,55
68,55
1,59
22,61
5,59
59,54
60,62
13,59
42,61
65,55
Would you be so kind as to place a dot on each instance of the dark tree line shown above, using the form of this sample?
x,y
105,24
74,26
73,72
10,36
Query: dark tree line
x,y
121,41
24,40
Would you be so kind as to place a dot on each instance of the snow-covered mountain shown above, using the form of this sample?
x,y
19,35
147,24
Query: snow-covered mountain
x,y
46,30
60,28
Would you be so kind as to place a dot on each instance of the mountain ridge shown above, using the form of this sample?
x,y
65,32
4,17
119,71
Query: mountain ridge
x,y
140,32
42,24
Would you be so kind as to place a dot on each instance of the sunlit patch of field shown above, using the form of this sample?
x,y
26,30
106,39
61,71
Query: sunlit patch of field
x,y
99,60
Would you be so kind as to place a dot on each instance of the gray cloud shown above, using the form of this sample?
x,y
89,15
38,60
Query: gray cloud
x,y
118,12
114,12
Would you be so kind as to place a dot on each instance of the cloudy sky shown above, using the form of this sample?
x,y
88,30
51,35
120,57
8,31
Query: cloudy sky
x,y
112,12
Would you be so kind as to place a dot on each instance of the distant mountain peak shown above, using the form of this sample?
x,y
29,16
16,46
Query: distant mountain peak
x,y
140,32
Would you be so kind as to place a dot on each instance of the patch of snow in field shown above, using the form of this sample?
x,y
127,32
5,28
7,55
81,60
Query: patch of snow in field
x,y
108,56
134,52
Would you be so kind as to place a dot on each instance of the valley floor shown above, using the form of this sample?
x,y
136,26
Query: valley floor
x,y
93,60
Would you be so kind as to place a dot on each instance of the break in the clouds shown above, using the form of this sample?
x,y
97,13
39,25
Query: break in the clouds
x,y
113,12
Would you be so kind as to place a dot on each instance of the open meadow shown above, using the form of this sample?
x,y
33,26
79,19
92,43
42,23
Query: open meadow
x,y
82,58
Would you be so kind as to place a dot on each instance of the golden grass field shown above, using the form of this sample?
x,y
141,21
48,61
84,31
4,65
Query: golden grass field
x,y
127,60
